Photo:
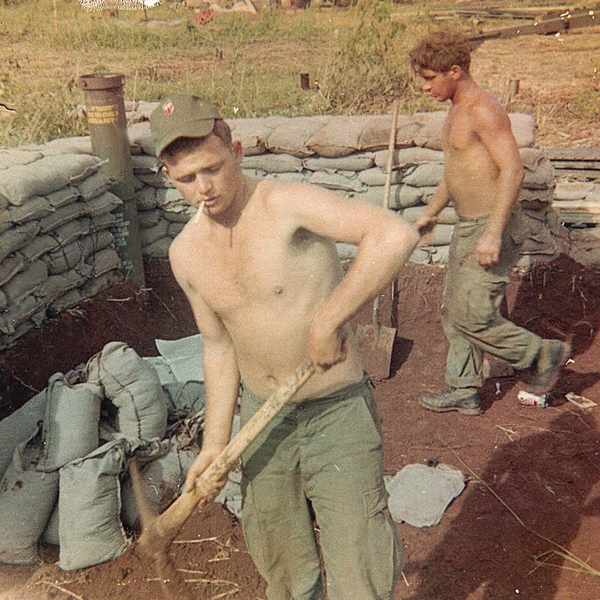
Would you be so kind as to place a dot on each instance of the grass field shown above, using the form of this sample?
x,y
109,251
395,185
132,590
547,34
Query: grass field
x,y
356,58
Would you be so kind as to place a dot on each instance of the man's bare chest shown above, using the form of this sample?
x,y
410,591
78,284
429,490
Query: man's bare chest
x,y
458,135
258,270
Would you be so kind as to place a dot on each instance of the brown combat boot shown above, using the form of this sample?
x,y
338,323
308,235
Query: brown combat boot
x,y
465,400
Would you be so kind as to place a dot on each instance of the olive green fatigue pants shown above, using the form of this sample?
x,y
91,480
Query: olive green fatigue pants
x,y
471,311
320,459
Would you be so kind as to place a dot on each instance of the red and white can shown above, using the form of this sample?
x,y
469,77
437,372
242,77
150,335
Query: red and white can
x,y
529,399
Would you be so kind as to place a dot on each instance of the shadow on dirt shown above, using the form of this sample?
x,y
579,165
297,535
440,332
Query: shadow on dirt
x,y
400,353
121,313
544,479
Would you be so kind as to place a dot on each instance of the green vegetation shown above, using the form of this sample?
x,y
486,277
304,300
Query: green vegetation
x,y
586,105
356,58
368,64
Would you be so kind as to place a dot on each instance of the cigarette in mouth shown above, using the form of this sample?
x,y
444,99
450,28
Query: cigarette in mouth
x,y
199,213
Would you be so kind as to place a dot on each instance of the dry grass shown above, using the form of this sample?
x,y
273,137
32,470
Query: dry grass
x,y
559,82
262,59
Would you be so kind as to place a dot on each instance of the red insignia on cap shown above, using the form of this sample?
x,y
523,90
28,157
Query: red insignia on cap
x,y
168,107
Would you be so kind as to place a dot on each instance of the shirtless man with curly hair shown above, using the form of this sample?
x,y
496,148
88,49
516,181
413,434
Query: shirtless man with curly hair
x,y
483,173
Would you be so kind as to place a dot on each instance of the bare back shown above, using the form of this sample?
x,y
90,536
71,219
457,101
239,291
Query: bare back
x,y
476,137
265,279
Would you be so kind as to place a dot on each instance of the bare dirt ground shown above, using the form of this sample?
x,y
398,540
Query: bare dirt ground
x,y
530,509
528,523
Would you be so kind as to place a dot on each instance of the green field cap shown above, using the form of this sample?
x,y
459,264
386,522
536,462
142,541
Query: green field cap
x,y
182,115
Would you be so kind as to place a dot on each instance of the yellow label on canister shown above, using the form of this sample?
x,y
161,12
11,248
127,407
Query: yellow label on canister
x,y
102,115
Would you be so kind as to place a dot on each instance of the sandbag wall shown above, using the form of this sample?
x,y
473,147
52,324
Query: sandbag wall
x,y
577,192
58,222
61,226
349,155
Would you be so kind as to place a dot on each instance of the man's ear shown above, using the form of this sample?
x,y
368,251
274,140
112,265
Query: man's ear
x,y
238,151
456,72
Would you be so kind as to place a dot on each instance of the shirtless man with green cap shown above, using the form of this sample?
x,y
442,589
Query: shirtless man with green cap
x,y
260,269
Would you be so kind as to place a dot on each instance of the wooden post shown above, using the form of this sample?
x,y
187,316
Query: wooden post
x,y
512,90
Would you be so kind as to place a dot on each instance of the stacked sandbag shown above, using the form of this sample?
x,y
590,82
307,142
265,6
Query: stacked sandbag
x,y
19,427
89,507
349,156
133,387
577,202
162,481
56,245
66,418
545,234
164,475
61,225
547,237
71,422
27,498
65,455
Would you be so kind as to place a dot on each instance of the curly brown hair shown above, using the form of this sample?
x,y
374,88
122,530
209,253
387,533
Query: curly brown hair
x,y
441,50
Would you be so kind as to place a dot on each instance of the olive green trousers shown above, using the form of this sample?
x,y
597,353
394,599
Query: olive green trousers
x,y
316,472
471,311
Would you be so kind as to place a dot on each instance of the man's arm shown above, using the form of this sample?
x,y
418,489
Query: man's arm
x,y
221,375
385,242
494,129
426,222
221,378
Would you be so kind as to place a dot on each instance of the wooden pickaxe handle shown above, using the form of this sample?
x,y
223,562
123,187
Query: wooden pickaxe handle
x,y
158,535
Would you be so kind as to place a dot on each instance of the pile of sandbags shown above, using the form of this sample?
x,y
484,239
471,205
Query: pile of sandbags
x,y
56,242
64,457
349,156
61,225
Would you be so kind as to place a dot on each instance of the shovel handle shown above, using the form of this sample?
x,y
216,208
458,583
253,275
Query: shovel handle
x,y
386,196
268,411
157,537
376,323
390,157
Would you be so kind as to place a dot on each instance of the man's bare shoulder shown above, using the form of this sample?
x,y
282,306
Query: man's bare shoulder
x,y
287,196
184,236
273,189
487,110
180,246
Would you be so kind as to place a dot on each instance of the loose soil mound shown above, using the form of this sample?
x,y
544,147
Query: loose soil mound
x,y
533,494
